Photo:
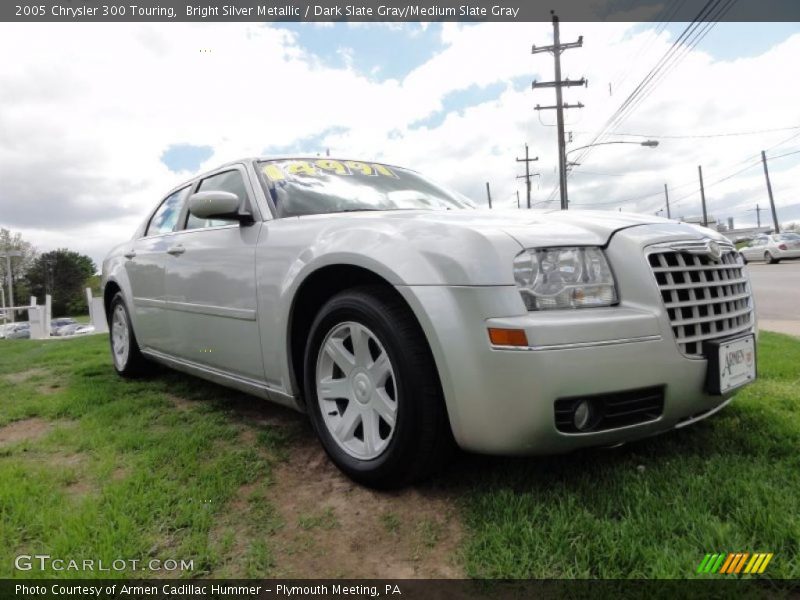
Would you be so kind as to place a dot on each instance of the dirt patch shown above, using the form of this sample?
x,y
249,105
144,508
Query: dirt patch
x,y
46,382
48,388
23,376
181,403
336,528
316,523
25,430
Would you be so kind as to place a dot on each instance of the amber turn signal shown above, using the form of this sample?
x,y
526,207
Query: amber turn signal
x,y
507,337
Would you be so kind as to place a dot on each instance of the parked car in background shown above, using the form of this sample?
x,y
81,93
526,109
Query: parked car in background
x,y
403,319
772,248
67,329
74,329
58,323
19,331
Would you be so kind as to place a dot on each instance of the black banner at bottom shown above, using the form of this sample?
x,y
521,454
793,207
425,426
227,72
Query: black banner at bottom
x,y
405,589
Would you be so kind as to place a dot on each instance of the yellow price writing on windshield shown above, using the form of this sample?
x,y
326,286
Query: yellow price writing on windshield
x,y
280,170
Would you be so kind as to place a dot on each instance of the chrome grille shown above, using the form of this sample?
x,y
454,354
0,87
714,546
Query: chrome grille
x,y
706,299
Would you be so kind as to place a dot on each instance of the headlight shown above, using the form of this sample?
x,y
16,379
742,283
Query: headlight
x,y
564,278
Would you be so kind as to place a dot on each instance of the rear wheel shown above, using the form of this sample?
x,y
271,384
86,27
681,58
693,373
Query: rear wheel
x,y
769,259
125,353
372,390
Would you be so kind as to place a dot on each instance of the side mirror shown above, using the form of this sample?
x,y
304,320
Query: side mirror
x,y
218,205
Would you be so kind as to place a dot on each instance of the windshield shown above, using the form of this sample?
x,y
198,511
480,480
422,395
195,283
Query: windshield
x,y
786,237
310,187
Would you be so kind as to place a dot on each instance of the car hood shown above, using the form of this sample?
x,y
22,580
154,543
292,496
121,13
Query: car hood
x,y
464,247
533,227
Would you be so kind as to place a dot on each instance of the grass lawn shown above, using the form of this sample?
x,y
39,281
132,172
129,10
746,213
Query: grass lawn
x,y
104,468
171,467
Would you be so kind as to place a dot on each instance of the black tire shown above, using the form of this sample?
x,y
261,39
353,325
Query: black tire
x,y
769,259
133,364
421,442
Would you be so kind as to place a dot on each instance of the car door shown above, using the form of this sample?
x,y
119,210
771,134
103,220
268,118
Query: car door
x,y
211,288
145,266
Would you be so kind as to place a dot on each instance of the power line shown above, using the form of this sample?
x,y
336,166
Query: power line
x,y
691,36
708,135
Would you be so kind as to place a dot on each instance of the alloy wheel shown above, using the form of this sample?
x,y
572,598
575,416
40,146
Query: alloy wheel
x,y
357,390
120,336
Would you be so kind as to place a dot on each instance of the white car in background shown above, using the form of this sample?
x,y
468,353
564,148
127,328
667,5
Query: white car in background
x,y
402,319
772,248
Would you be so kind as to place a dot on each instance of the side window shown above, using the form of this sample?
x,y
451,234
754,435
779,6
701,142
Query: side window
x,y
229,181
166,217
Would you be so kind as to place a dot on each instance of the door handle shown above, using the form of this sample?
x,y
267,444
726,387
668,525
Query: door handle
x,y
176,250
130,254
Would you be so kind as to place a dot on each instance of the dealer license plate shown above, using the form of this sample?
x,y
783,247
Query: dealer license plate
x,y
731,364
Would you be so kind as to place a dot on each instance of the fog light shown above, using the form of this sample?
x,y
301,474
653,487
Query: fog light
x,y
583,415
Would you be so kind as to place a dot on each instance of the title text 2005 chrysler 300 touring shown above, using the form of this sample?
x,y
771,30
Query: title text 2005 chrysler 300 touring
x,y
405,321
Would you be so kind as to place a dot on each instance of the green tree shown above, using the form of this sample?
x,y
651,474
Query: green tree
x,y
63,274
13,242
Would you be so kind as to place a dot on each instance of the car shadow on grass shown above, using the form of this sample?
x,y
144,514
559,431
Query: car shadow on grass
x,y
733,434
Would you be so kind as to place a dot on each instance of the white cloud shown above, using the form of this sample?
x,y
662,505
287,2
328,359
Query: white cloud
x,y
87,110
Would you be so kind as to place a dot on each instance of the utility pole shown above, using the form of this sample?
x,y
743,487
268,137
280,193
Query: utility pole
x,y
769,191
703,196
489,194
757,210
557,48
517,198
666,197
527,176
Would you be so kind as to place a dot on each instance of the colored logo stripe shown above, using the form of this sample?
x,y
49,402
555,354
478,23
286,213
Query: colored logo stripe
x,y
734,563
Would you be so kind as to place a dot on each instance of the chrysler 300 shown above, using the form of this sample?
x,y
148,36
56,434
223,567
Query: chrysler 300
x,y
406,322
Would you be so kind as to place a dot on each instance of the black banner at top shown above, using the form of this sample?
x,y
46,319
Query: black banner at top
x,y
399,10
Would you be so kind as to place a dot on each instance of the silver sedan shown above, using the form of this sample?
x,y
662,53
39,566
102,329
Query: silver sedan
x,y
772,248
405,321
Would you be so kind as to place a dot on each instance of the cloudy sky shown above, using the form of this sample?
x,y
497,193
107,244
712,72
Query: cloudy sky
x,y
98,120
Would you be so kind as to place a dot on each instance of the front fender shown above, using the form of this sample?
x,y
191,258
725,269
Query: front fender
x,y
400,252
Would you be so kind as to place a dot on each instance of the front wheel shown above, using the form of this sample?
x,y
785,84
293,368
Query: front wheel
x,y
372,390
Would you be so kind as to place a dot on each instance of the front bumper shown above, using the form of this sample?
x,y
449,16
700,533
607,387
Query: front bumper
x,y
501,400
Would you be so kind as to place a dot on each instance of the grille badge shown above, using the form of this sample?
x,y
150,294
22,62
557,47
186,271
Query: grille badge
x,y
714,251
706,247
